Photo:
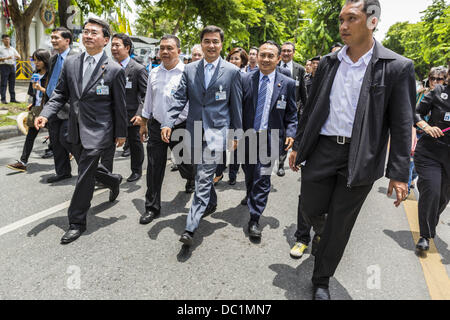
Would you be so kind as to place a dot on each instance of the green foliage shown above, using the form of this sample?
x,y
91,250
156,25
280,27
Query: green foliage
x,y
427,42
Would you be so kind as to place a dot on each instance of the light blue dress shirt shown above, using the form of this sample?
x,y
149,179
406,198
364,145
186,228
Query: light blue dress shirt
x,y
269,93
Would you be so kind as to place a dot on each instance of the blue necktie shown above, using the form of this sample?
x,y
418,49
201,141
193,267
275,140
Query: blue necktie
x,y
55,75
261,103
208,74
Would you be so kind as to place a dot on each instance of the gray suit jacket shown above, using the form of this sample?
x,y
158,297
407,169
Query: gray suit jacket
x,y
94,120
138,76
216,116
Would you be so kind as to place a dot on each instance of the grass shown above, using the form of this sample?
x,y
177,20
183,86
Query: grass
x,y
13,109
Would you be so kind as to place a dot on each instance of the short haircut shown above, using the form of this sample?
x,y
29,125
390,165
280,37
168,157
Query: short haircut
x,y
273,43
197,46
367,4
42,55
242,54
316,58
212,29
253,48
65,33
336,45
125,39
289,43
5,36
172,37
105,26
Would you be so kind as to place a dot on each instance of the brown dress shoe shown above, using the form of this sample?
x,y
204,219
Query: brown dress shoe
x,y
18,166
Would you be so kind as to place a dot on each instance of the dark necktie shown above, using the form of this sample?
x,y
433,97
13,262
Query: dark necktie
x,y
55,75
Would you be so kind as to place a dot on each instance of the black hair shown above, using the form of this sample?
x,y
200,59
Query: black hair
x,y
316,58
367,4
171,36
65,33
212,29
126,40
254,48
273,43
336,45
289,43
105,26
5,36
42,55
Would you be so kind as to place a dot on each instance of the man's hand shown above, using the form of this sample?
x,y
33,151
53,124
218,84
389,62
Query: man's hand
x,y
166,132
40,122
143,133
120,142
233,145
401,191
136,121
289,143
292,159
435,132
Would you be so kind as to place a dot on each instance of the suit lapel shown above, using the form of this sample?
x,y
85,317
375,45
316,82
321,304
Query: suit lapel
x,y
78,74
200,75
218,73
98,71
255,90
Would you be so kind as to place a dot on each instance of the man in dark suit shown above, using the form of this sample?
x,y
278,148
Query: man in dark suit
x,y
268,104
94,85
296,72
361,96
136,77
61,39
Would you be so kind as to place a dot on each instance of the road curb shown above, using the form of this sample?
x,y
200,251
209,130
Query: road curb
x,y
7,132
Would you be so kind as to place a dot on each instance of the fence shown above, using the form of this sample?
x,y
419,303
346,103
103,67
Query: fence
x,y
23,70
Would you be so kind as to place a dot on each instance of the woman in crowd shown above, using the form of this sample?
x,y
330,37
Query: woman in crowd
x,y
431,159
36,90
239,58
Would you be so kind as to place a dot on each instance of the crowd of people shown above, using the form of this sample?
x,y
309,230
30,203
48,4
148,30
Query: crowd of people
x,y
337,114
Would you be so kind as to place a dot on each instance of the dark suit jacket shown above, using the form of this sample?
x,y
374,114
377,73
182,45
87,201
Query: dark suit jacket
x,y
300,90
385,106
63,114
135,96
94,120
285,120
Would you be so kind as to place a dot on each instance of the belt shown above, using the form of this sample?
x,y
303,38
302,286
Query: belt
x,y
339,139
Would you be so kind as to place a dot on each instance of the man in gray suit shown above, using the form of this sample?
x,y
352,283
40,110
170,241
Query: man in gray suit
x,y
213,88
136,77
95,87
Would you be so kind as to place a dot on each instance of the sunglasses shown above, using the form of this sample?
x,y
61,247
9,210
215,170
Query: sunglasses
x,y
436,79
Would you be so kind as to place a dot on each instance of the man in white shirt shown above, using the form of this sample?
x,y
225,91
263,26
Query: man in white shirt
x,y
8,56
162,84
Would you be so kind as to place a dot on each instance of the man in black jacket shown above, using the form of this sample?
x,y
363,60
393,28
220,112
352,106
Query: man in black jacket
x,y
360,95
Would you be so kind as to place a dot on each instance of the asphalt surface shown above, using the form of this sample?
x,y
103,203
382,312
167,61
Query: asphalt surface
x,y
117,258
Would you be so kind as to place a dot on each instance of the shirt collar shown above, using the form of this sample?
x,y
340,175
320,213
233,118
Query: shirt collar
x,y
97,57
179,66
65,53
271,76
289,64
342,55
215,63
125,62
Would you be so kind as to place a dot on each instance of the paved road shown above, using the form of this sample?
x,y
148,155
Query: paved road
x,y
119,259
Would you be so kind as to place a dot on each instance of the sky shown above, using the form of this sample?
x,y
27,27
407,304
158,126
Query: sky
x,y
392,11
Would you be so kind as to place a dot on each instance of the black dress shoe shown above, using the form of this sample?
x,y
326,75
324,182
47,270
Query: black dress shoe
x,y
57,178
423,244
174,168
253,230
72,235
14,101
210,209
321,293
232,182
126,153
134,177
190,186
315,244
114,192
244,201
187,238
48,154
148,217
281,172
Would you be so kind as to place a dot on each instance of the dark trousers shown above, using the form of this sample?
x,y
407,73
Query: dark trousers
x,y
136,149
303,233
107,157
29,143
58,130
156,167
324,190
8,77
257,182
283,156
233,167
433,169
89,170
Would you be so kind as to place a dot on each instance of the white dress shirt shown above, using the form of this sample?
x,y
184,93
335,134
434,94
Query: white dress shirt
x,y
8,52
97,58
344,94
161,86
269,92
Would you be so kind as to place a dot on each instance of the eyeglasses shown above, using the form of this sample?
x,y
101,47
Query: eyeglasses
x,y
86,32
436,79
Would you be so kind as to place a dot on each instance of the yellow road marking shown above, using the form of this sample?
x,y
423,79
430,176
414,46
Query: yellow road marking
x,y
435,273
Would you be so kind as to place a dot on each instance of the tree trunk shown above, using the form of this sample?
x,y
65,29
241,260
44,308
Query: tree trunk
x,y
62,12
22,21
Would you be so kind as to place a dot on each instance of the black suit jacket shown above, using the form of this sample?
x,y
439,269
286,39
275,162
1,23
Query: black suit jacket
x,y
63,114
300,90
135,96
94,120
385,107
